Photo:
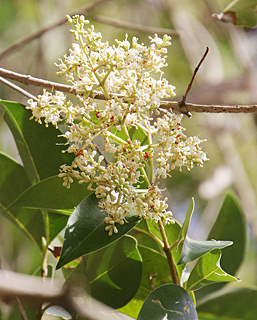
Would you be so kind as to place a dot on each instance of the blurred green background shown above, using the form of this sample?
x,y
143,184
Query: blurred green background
x,y
227,76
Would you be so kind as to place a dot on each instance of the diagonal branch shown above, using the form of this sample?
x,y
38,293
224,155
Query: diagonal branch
x,y
29,80
174,105
17,88
40,32
127,25
104,20
35,291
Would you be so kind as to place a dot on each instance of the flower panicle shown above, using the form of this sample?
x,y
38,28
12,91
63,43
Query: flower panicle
x,y
130,76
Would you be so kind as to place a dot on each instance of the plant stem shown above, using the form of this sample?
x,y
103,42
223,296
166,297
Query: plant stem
x,y
20,90
124,127
145,177
151,162
21,309
39,313
168,253
101,84
176,243
44,257
43,271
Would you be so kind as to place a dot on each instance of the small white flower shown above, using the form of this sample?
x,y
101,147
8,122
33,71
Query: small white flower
x,y
130,76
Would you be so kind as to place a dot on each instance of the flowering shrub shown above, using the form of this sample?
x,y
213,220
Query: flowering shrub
x,y
117,140
143,141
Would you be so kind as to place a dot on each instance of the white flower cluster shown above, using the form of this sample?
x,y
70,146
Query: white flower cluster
x,y
138,147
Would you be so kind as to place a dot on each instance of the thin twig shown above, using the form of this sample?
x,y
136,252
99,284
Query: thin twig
x,y
127,25
168,253
19,89
40,32
102,154
174,105
183,101
21,309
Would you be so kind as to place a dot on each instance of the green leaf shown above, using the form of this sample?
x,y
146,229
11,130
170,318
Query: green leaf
x,y
240,12
155,273
144,239
138,134
172,232
236,304
114,273
155,266
207,271
185,226
169,301
193,249
49,194
85,231
11,171
38,146
57,222
119,133
29,221
229,225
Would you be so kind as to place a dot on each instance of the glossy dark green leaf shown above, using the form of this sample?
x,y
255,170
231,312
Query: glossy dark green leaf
x,y
207,271
168,302
49,194
193,249
236,304
13,181
240,12
114,273
38,146
85,231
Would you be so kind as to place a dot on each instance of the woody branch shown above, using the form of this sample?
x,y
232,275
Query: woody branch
x,y
174,105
